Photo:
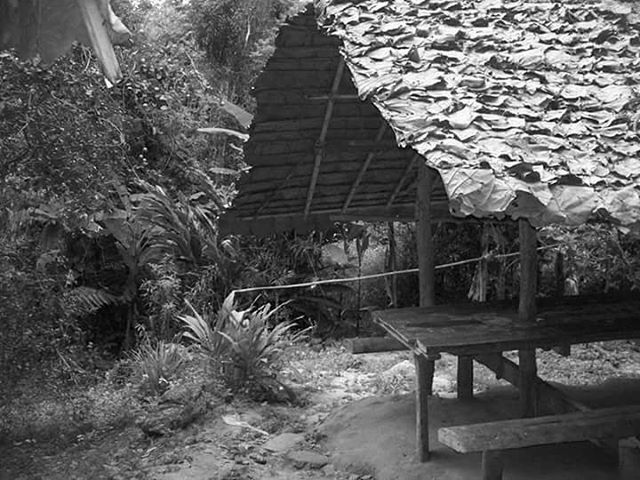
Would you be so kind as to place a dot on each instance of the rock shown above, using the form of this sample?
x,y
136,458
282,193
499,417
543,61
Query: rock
x,y
329,470
256,457
404,368
305,458
177,408
283,442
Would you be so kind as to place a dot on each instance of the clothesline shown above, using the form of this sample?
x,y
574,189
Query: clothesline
x,y
383,274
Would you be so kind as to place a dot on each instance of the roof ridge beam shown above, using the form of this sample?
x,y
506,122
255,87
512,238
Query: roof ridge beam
x,y
338,96
363,169
323,136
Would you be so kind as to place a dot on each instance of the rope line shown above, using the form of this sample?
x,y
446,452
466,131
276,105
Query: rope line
x,y
489,256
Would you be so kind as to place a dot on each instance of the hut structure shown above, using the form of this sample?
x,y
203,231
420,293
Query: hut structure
x,y
525,109
435,110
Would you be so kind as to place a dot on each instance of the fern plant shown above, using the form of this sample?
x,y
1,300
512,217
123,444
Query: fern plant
x,y
81,301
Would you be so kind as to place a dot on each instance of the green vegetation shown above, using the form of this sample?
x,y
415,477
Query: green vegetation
x,y
115,282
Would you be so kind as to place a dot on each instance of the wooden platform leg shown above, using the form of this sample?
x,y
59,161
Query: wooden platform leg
x,y
492,465
628,458
465,377
527,314
528,380
424,377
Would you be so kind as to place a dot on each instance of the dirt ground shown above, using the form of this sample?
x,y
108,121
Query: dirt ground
x,y
356,423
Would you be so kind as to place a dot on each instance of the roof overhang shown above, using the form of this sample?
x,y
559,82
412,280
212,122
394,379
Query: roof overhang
x,y
517,106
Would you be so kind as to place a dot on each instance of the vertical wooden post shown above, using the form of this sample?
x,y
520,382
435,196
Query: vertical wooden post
x,y
527,313
628,458
393,264
422,407
559,274
564,349
426,257
492,466
465,377
424,236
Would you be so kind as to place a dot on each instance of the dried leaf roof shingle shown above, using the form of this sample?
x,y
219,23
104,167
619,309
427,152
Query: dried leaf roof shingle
x,y
526,108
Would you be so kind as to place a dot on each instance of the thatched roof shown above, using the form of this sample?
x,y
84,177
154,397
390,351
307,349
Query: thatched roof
x,y
524,108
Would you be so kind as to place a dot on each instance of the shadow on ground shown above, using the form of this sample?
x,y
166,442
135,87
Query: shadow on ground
x,y
377,434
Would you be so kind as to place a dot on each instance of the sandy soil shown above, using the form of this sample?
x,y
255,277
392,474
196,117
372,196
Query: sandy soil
x,y
359,413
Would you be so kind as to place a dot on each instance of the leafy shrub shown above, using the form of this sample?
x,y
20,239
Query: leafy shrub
x,y
156,364
254,345
205,333
241,345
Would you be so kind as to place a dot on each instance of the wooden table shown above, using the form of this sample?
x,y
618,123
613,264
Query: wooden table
x,y
482,332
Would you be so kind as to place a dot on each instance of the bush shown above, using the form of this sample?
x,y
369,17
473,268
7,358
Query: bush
x,y
156,365
241,345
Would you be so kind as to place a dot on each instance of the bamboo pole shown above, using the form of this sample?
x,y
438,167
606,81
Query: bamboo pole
x,y
363,169
402,180
319,154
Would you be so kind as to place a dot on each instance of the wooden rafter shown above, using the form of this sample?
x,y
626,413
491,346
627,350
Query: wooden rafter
x,y
363,169
403,179
341,96
274,193
323,136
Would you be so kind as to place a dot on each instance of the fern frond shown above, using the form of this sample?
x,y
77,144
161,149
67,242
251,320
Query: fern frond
x,y
82,301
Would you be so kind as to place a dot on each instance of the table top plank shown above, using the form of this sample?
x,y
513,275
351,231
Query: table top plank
x,y
478,328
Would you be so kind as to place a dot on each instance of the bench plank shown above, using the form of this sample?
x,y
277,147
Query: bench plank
x,y
615,422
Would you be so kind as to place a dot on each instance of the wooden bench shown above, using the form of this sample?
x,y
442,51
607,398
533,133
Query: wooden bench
x,y
493,437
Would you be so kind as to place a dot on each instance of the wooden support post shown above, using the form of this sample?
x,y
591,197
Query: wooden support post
x,y
424,235
559,274
426,255
527,313
422,407
628,458
465,377
492,466
426,258
393,265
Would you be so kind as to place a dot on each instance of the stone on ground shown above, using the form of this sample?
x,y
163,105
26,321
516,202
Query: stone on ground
x,y
176,409
305,458
283,442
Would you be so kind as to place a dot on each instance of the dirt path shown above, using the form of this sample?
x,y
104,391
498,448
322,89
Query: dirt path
x,y
351,425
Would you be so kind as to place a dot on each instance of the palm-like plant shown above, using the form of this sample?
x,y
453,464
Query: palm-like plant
x,y
254,345
184,228
243,341
157,364
206,334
